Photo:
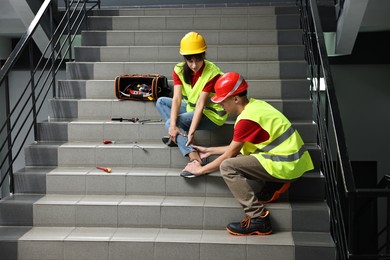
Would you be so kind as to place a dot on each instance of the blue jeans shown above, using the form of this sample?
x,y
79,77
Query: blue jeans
x,y
184,119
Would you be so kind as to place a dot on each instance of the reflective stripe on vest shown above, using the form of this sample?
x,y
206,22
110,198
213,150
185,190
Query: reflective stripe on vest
x,y
278,140
191,94
283,156
288,158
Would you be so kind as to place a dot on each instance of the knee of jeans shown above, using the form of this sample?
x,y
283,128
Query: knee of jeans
x,y
159,101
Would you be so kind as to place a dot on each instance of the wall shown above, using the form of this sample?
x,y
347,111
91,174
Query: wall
x,y
363,93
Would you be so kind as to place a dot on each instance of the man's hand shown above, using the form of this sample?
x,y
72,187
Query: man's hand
x,y
203,152
194,167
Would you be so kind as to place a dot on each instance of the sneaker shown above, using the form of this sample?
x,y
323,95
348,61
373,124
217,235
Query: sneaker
x,y
272,191
168,141
251,226
187,174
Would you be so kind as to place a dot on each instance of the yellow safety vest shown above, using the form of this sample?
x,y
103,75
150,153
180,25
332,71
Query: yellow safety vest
x,y
283,155
191,94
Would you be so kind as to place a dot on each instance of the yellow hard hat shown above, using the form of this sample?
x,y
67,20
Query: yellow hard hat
x,y
192,43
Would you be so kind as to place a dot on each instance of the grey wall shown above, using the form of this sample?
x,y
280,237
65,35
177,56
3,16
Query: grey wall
x,y
363,93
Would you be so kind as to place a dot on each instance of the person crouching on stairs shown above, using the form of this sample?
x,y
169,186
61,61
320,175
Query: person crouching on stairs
x,y
273,153
190,108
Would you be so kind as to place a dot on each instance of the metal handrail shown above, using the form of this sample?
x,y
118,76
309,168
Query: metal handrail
x,y
41,83
341,191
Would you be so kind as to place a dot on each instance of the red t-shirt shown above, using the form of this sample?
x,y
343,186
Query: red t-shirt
x,y
209,87
249,131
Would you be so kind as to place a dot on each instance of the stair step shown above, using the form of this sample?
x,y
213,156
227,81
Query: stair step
x,y
183,212
31,180
105,109
171,53
222,10
249,70
195,22
172,38
162,181
146,181
159,243
263,89
95,130
91,154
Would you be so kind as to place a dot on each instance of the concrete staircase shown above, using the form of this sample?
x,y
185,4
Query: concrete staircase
x,y
65,208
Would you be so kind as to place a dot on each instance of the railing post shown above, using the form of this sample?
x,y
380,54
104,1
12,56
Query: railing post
x,y
67,10
85,14
32,84
388,227
9,138
53,58
351,225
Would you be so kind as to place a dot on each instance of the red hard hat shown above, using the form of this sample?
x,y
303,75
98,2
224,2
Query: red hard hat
x,y
229,84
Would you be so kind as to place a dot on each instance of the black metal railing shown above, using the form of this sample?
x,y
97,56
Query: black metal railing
x,y
22,109
342,194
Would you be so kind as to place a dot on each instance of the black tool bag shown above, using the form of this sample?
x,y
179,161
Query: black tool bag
x,y
144,87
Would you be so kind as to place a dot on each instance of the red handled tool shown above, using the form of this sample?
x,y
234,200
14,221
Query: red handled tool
x,y
104,169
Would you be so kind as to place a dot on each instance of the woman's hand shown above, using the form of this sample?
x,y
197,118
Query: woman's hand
x,y
173,132
190,138
198,113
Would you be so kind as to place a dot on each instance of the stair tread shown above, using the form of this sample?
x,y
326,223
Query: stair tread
x,y
129,144
292,100
109,121
22,233
208,46
225,8
193,15
186,30
161,200
171,62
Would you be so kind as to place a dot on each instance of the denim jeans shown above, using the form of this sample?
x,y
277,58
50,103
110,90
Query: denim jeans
x,y
184,119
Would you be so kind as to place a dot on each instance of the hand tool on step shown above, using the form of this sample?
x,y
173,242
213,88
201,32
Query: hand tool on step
x,y
104,169
107,141
121,119
143,121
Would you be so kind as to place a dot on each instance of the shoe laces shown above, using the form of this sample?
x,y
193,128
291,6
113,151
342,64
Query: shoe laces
x,y
246,222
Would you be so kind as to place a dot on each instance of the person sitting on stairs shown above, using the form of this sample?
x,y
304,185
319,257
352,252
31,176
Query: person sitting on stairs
x,y
273,153
190,108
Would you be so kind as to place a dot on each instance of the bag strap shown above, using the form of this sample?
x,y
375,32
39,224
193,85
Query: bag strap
x,y
155,88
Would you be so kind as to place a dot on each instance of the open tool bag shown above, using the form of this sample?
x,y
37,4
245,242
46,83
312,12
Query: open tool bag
x,y
144,87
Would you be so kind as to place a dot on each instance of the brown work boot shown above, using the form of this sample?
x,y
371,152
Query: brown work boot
x,y
251,226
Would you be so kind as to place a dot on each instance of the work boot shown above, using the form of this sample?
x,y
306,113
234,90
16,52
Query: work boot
x,y
168,141
251,226
271,191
